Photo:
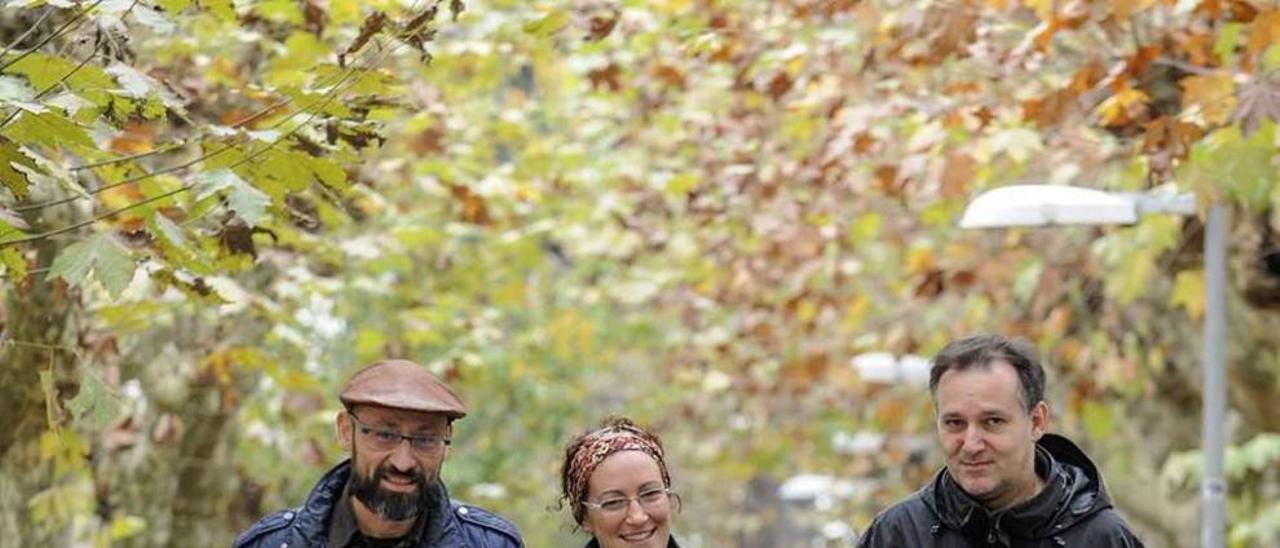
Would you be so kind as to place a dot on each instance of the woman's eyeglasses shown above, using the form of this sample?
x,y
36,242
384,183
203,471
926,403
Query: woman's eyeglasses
x,y
651,499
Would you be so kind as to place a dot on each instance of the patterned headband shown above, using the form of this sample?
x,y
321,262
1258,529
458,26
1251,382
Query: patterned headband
x,y
597,447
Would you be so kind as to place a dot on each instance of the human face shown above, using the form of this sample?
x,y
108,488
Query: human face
x,y
987,436
395,483
621,475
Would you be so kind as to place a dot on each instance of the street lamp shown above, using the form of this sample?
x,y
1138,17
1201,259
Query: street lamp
x,y
1050,205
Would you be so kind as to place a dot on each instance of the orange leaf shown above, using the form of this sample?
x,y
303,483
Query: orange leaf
x,y
1123,9
1043,33
1213,94
1264,31
135,138
958,175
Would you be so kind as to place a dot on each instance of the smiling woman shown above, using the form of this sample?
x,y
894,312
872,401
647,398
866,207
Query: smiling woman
x,y
615,481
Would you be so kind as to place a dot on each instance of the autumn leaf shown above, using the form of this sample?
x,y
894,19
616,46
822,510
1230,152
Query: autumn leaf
x,y
1259,100
1263,32
1123,108
1213,95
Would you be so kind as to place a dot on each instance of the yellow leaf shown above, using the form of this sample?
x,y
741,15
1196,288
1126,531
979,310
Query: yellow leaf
x,y
920,259
1188,292
1123,107
1214,95
1122,9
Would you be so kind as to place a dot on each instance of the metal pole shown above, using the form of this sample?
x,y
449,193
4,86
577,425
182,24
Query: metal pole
x,y
1214,489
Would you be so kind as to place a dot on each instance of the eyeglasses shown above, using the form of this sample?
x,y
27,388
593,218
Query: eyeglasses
x,y
652,499
381,439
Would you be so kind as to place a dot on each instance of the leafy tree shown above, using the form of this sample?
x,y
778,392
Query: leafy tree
x,y
695,212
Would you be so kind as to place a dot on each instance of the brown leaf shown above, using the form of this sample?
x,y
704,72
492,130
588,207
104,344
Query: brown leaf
x,y
963,279
932,285
373,24
474,210
779,84
603,25
957,175
669,75
1169,135
236,238
1047,111
887,181
314,14
606,76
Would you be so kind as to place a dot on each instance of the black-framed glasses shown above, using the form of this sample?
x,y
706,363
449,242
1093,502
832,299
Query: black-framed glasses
x,y
649,499
382,439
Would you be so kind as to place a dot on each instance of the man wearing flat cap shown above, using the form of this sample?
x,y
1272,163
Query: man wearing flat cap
x,y
396,422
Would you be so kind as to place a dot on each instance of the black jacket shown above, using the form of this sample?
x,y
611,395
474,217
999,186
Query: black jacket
x,y
671,543
1073,510
460,526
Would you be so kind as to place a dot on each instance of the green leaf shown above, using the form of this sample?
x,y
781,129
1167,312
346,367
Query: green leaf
x,y
47,390
244,199
1243,167
302,50
1225,46
43,71
223,10
15,265
47,129
548,24
289,168
109,261
330,173
1188,292
173,6
17,182
95,402
174,245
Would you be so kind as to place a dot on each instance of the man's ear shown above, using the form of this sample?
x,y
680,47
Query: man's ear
x,y
342,427
1039,420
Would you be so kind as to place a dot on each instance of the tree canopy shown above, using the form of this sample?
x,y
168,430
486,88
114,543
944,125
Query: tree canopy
x,y
732,220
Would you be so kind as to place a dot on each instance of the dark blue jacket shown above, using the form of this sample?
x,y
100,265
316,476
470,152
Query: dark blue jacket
x,y
461,526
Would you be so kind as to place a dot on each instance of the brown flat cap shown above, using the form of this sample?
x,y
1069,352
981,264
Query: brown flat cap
x,y
401,384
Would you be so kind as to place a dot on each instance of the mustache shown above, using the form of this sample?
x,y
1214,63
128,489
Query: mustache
x,y
385,471
391,505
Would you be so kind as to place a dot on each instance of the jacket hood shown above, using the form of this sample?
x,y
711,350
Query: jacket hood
x,y
1073,491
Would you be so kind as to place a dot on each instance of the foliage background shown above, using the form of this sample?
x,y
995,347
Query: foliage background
x,y
703,214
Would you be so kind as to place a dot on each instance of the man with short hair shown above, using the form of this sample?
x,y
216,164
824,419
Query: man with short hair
x,y
1006,481
397,422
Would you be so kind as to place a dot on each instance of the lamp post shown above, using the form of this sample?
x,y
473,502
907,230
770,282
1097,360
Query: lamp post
x,y
1051,205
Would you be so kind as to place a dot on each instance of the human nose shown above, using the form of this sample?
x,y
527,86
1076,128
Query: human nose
x,y
402,457
635,512
972,442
